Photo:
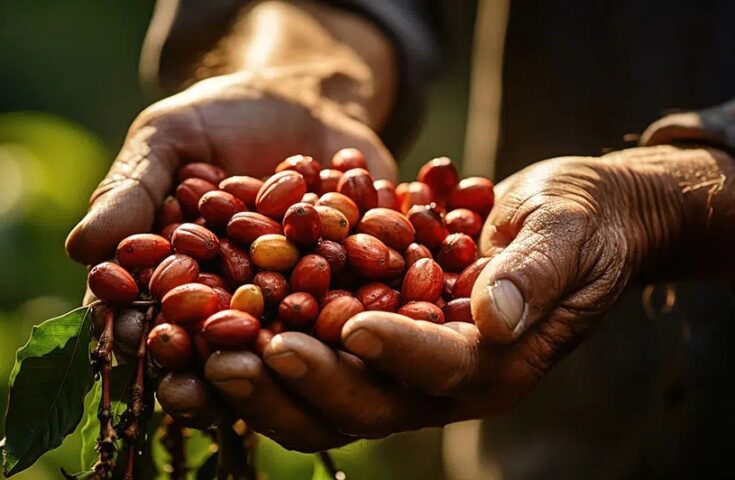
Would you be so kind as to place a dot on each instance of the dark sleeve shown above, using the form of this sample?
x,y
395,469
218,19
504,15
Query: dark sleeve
x,y
415,31
720,122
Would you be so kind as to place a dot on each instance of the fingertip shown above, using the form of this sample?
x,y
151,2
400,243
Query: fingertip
x,y
233,372
498,308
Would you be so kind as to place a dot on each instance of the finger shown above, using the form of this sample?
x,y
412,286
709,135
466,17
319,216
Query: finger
x,y
243,380
125,202
679,127
526,279
433,358
340,387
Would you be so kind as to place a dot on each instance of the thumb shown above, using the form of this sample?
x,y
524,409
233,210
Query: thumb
x,y
526,279
125,202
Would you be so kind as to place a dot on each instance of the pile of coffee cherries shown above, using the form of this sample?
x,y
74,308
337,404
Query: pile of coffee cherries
x,y
237,260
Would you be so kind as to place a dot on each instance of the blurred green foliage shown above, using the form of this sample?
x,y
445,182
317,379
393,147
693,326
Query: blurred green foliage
x,y
69,77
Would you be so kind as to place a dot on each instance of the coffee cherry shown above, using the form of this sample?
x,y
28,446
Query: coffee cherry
x,y
243,187
167,232
332,223
450,278
427,222
142,250
396,264
298,309
206,171
170,346
112,283
231,328
218,207
458,310
263,339
190,191
334,253
249,299
468,277
457,252
387,197
211,280
415,252
342,203
184,396
310,197
195,241
127,330
223,298
389,226
331,295
401,193
246,227
328,178
301,224
144,278
417,193
280,192
347,159
379,296
473,193
367,255
169,212
189,303
311,275
422,311
439,174
274,252
332,318
273,285
464,221
173,271
306,166
424,280
235,263
358,185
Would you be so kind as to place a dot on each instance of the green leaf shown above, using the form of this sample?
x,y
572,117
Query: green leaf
x,y
199,447
51,376
121,384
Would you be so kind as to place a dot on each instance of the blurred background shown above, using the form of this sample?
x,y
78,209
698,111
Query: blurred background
x,y
69,83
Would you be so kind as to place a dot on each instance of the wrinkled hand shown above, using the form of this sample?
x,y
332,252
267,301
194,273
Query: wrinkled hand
x,y
243,122
565,237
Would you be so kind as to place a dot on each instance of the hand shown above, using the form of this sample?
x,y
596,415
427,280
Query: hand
x,y
299,88
566,236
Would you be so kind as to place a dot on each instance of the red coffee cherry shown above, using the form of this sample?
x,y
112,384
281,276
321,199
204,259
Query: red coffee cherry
x,y
211,280
342,203
280,192
417,193
379,296
170,346
173,271
246,227
218,207
298,309
468,277
331,295
424,280
334,253
306,166
358,185
473,193
328,178
396,264
311,275
416,251
367,255
142,250
464,221
243,187
422,311
387,197
273,285
206,171
439,174
190,191
457,252
458,310
189,303
310,197
263,339
112,283
235,263
347,159
231,328
169,212
388,226
167,232
301,224
224,298
427,222
332,318
195,241
450,278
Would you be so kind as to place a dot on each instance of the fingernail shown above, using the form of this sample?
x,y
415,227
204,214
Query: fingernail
x,y
287,364
508,303
364,344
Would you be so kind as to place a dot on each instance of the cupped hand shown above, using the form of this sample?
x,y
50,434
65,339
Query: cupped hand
x,y
565,236
245,122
